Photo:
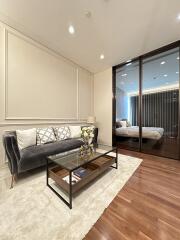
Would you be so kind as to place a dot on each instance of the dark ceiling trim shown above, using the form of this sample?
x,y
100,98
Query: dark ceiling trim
x,y
151,53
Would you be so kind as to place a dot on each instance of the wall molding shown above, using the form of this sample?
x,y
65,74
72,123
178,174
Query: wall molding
x,y
5,124
11,122
32,42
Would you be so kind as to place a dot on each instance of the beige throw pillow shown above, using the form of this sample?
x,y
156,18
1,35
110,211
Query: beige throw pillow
x,y
75,131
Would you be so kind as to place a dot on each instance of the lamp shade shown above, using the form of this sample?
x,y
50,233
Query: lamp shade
x,y
91,119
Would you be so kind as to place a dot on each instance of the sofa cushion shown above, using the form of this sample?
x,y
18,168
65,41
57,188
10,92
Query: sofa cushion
x,y
35,155
26,138
75,131
45,135
62,133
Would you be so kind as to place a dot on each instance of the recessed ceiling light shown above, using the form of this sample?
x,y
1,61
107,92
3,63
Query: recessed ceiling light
x,y
178,17
177,72
177,58
71,29
124,75
165,75
102,56
163,62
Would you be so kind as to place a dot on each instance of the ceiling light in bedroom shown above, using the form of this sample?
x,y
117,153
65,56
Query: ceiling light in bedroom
x,y
165,75
102,56
124,75
163,62
71,29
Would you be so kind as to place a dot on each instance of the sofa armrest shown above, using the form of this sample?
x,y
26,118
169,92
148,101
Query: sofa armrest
x,y
8,140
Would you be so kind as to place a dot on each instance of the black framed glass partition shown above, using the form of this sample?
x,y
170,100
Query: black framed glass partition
x,y
160,104
127,104
146,103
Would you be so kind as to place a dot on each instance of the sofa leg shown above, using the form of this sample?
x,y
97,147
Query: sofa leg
x,y
13,176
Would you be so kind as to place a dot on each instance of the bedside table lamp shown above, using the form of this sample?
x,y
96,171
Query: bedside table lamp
x,y
91,120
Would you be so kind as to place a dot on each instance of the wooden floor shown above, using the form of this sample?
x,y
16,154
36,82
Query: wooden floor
x,y
147,208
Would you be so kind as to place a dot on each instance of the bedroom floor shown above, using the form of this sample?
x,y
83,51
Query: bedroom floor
x,y
148,207
168,148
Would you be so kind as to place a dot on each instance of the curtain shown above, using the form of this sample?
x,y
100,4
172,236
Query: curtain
x,y
158,110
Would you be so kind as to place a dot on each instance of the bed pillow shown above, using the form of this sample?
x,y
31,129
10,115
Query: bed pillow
x,y
128,124
118,124
62,133
123,123
45,135
26,138
75,131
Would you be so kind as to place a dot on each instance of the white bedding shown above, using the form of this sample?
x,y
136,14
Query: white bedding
x,y
147,132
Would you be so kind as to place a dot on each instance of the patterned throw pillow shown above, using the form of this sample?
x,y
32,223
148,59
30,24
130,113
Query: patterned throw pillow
x,y
62,133
45,135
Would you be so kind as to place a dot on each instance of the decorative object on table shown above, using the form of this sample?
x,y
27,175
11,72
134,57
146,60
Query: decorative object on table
x,y
87,134
80,172
86,149
91,120
74,179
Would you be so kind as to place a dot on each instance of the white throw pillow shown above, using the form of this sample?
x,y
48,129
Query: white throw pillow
x,y
123,123
26,138
75,131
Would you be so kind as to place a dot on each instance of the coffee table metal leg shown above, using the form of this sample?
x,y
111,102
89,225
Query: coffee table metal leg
x,y
47,172
116,158
69,204
70,189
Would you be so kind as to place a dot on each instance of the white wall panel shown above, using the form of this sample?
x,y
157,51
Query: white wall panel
x,y
39,83
38,87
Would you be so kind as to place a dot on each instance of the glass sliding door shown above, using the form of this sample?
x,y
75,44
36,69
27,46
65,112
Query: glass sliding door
x,y
127,105
160,104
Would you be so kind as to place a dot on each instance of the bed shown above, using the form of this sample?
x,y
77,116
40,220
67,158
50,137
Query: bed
x,y
147,132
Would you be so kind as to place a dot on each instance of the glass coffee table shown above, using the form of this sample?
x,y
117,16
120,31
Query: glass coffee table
x,y
72,172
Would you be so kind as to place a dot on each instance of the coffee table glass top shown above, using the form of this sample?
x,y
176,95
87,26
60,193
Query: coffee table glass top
x,y
71,160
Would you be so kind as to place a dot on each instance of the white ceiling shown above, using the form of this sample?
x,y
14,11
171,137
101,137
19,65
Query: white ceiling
x,y
120,29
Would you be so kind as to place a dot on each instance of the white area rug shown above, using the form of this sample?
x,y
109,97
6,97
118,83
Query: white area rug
x,y
31,211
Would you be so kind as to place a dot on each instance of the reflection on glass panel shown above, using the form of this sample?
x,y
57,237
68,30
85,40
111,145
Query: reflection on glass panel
x,y
160,104
127,97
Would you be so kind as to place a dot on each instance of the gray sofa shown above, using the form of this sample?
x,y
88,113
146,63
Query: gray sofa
x,y
35,156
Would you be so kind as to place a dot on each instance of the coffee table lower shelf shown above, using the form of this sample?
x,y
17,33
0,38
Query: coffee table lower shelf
x,y
94,169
